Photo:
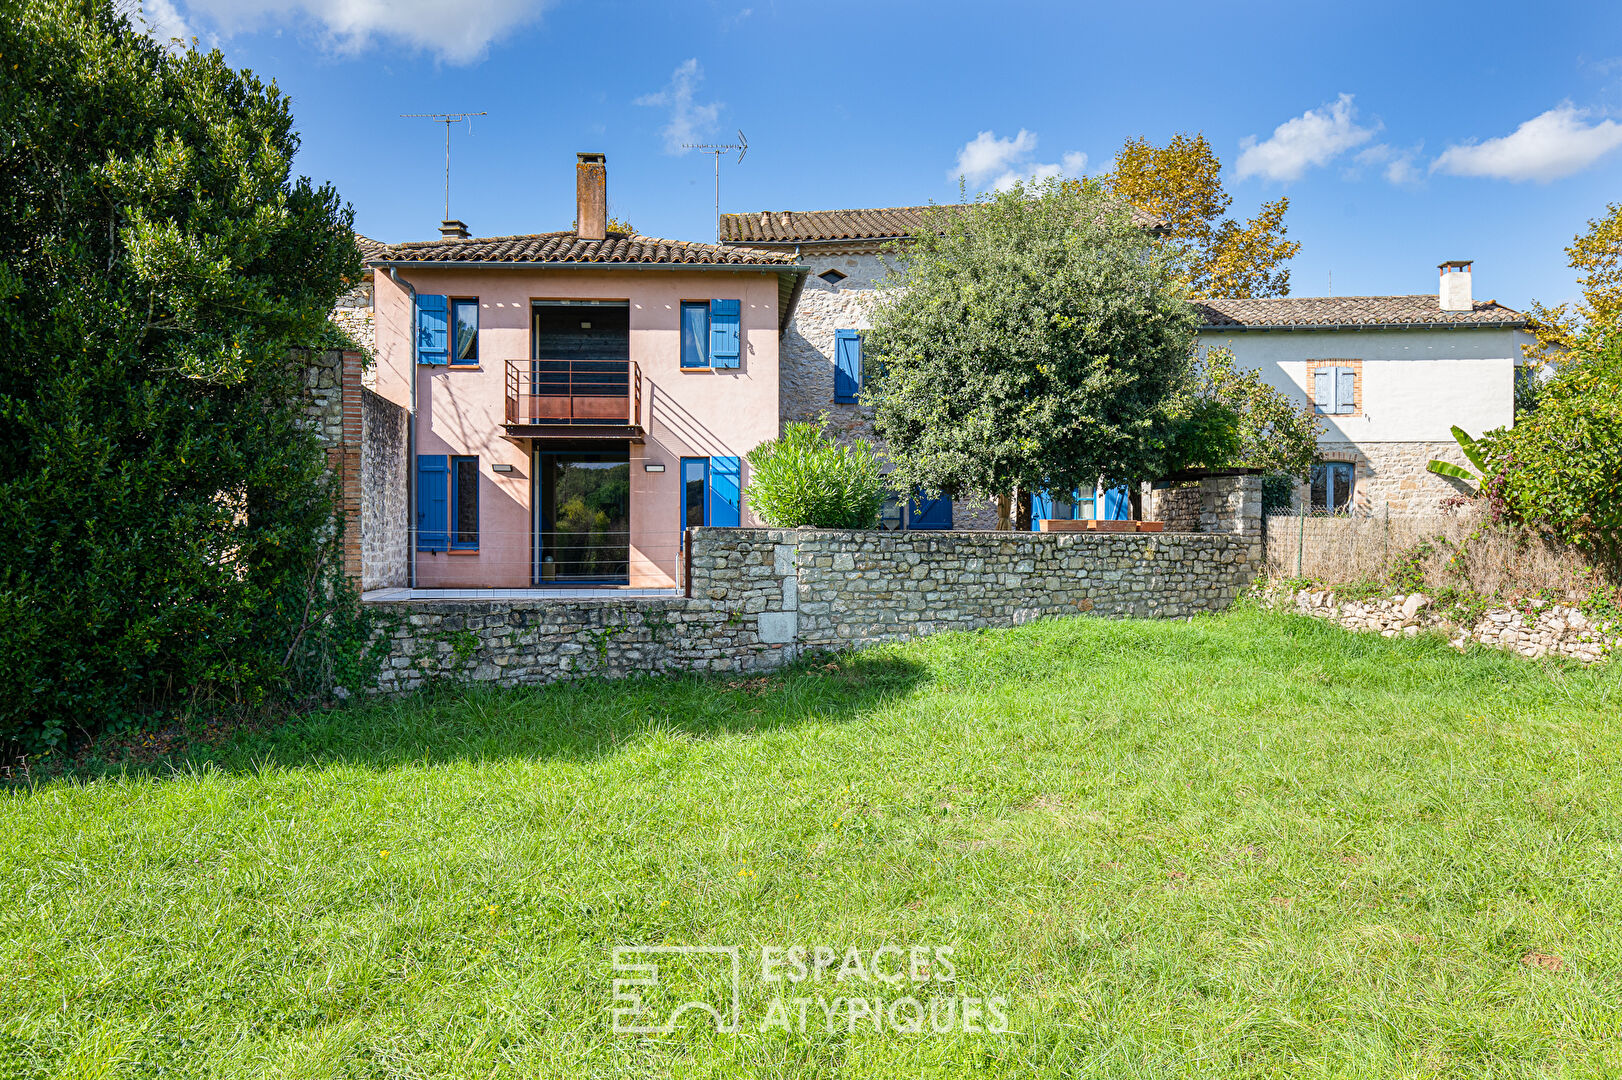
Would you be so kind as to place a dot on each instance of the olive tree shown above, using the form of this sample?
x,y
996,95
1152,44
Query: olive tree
x,y
1034,341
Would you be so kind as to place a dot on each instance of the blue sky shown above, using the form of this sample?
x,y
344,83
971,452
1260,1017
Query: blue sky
x,y
1403,133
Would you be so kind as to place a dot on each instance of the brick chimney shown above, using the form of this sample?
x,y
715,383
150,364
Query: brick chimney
x,y
453,230
591,196
1454,292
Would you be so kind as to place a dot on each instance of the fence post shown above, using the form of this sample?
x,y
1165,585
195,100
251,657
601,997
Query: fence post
x,y
1385,552
1300,537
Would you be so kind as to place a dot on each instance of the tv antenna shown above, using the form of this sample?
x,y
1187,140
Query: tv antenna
x,y
718,149
446,118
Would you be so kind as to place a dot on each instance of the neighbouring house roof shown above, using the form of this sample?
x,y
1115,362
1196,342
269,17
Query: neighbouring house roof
x,y
823,226
555,249
1422,311
566,247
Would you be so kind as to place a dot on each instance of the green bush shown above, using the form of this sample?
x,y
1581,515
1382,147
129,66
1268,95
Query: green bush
x,y
166,521
804,478
1560,466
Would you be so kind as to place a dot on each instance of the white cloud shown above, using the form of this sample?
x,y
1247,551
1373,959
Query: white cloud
x,y
457,32
1314,138
689,120
1547,147
1396,165
1009,161
986,154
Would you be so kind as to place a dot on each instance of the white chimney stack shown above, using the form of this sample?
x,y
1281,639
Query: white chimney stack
x,y
1454,293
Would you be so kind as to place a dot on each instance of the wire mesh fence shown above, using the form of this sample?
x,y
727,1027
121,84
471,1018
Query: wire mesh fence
x,y
1461,550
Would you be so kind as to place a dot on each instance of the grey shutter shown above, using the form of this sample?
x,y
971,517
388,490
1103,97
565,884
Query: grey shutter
x,y
1345,390
1323,392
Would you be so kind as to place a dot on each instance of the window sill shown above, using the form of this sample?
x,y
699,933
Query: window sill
x,y
463,551
464,367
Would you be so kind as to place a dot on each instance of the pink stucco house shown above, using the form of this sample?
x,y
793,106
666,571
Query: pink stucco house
x,y
575,400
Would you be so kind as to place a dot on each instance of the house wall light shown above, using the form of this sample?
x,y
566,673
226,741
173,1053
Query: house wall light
x,y
653,467
501,466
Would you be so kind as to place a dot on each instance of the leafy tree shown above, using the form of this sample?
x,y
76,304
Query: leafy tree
x,y
804,478
1598,254
1034,342
166,521
1182,183
1230,417
1560,467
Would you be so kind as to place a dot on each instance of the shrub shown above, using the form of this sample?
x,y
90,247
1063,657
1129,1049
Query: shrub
x,y
804,478
166,519
1560,466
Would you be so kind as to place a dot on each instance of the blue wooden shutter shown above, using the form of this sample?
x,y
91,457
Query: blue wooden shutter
x,y
433,502
928,513
695,335
1041,507
1323,390
847,365
1345,390
726,474
433,329
724,336
1117,504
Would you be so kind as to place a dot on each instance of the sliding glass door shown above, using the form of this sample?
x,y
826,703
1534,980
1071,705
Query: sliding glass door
x,y
583,516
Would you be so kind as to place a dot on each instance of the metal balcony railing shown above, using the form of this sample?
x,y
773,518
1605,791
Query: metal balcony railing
x,y
545,392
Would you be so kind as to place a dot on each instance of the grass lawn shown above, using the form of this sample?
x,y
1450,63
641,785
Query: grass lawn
x,y
1252,845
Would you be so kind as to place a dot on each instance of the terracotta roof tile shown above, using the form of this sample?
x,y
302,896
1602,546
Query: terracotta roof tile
x,y
566,247
1365,311
806,226
370,249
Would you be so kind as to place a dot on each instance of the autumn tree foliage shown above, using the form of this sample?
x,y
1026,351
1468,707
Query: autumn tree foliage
x,y
1598,254
1181,182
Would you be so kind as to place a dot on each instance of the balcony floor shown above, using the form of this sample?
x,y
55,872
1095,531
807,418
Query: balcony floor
x,y
587,592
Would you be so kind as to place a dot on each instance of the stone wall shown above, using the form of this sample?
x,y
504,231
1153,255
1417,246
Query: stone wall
x,y
523,642
1535,630
332,389
353,315
384,527
757,598
1391,477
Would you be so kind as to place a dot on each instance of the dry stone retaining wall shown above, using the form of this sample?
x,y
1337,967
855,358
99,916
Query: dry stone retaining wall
x,y
1548,630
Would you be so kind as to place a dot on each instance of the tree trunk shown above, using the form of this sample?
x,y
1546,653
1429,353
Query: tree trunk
x,y
1005,511
1022,516
1134,496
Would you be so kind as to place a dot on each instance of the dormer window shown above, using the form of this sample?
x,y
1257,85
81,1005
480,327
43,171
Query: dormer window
x,y
832,277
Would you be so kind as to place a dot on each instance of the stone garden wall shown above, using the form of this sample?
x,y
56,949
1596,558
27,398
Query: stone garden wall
x,y
332,409
757,598
385,556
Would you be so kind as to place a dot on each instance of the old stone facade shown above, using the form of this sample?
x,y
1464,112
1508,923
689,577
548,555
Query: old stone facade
x,y
1392,477
806,356
759,597
1536,630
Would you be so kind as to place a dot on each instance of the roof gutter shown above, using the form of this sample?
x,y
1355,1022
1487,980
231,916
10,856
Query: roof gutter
x,y
1240,328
